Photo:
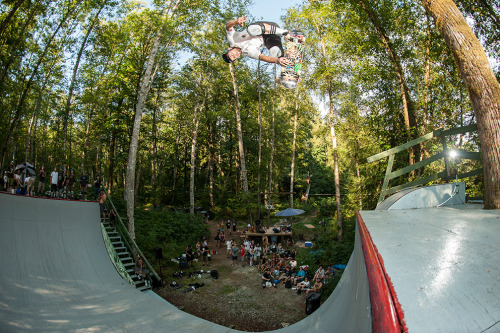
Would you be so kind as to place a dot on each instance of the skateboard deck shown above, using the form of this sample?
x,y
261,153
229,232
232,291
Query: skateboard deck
x,y
294,52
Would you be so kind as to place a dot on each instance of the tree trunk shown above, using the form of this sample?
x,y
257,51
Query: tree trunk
x,y
408,105
27,88
294,143
211,164
482,85
134,142
240,133
335,163
12,12
271,158
196,121
259,171
72,84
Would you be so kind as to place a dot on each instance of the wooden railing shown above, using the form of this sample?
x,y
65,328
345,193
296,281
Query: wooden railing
x,y
444,154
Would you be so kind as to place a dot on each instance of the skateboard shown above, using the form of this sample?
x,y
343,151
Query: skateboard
x,y
294,52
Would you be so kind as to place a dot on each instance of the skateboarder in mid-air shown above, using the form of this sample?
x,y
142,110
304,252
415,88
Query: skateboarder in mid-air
x,y
249,41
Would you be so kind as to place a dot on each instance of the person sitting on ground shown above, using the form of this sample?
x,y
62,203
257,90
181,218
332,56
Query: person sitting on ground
x,y
304,285
293,265
267,278
316,288
301,274
287,275
320,273
251,40
330,272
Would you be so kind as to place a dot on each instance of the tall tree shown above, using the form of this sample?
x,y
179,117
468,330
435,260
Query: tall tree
x,y
141,102
482,85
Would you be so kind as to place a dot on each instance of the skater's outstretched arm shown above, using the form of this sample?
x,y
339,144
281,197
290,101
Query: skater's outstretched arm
x,y
239,21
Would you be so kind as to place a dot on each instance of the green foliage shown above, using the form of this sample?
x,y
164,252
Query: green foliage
x,y
172,231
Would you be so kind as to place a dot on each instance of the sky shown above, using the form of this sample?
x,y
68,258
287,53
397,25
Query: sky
x,y
271,10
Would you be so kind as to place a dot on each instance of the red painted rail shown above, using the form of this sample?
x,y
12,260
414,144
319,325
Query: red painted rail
x,y
387,313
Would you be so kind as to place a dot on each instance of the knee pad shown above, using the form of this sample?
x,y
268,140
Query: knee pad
x,y
256,29
275,52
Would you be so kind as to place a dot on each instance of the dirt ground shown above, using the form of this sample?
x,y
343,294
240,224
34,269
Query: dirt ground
x,y
236,299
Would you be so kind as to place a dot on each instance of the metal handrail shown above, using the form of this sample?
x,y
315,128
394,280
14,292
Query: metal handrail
x,y
127,239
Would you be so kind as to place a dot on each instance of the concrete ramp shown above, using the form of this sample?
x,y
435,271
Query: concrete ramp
x,y
415,270
56,276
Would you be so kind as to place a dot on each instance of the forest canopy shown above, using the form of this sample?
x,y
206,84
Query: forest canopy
x,y
98,86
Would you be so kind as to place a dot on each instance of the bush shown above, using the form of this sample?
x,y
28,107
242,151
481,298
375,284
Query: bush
x,y
170,230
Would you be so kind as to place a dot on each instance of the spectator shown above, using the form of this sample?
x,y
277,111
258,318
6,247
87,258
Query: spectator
x,y
5,180
17,180
330,272
83,185
10,177
102,205
251,252
234,252
41,181
303,286
228,248
228,227
205,253
300,276
222,239
53,182
97,186
60,182
316,288
112,218
266,277
30,188
293,265
257,249
234,227
71,182
242,255
320,273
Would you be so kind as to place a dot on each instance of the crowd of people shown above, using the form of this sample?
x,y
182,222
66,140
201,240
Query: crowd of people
x,y
275,264
60,183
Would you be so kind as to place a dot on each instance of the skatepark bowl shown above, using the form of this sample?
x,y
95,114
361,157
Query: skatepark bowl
x,y
415,267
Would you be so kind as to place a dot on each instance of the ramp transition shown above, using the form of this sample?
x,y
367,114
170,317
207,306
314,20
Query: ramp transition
x,y
418,270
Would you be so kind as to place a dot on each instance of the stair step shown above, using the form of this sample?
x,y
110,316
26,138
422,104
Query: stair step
x,y
144,288
117,244
123,254
120,249
127,260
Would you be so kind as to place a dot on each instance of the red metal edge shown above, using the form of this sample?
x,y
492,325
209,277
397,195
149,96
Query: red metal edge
x,y
387,313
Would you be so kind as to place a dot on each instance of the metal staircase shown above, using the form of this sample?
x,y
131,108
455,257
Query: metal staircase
x,y
127,259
